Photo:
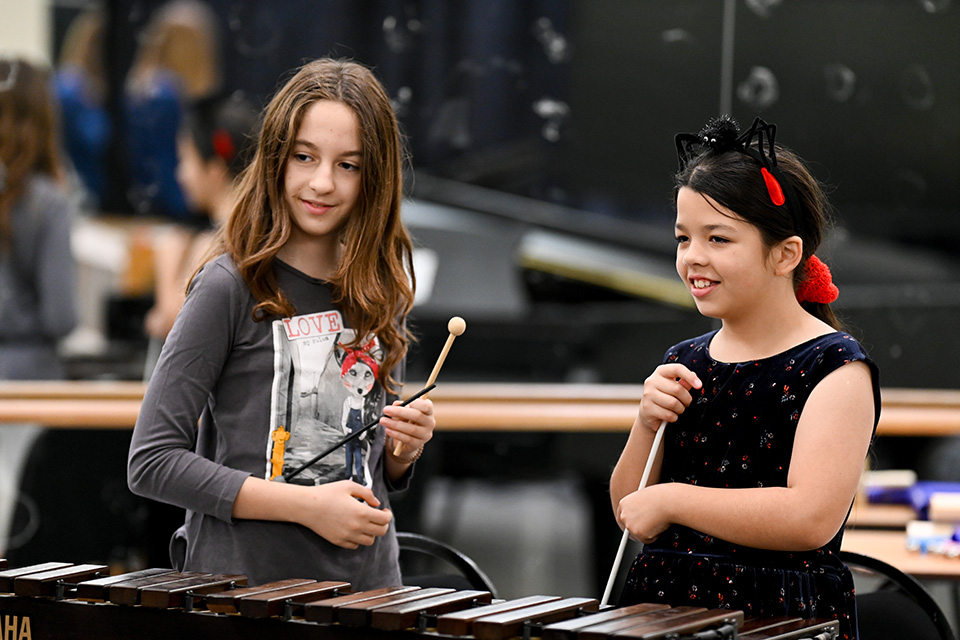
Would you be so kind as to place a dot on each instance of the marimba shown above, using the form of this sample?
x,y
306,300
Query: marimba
x,y
62,601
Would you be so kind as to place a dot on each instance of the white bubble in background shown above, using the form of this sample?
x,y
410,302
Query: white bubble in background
x,y
254,28
554,112
916,88
398,34
760,89
841,81
555,44
935,6
401,102
763,8
452,124
671,36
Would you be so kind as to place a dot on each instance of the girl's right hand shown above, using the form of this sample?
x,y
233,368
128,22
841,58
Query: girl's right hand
x,y
666,393
345,513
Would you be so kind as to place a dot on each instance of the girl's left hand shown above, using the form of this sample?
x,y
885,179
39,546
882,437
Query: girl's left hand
x,y
411,425
644,512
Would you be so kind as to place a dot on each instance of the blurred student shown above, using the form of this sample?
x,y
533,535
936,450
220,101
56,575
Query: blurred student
x,y
177,63
212,151
81,88
37,269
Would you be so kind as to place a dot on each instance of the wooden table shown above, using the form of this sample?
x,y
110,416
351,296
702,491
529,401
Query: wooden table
x,y
890,546
864,515
459,407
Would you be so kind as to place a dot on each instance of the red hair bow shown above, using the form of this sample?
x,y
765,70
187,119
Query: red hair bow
x,y
817,285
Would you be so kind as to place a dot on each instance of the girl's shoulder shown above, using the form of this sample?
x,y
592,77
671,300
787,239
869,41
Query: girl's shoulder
x,y
219,272
690,345
838,347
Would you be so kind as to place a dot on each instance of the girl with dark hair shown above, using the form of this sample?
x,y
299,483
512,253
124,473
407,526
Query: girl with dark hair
x,y
314,260
212,150
767,419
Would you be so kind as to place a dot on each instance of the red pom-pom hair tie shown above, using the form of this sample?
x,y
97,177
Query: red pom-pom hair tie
x,y
817,285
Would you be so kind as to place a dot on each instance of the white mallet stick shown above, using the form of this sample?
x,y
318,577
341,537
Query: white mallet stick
x,y
456,326
654,449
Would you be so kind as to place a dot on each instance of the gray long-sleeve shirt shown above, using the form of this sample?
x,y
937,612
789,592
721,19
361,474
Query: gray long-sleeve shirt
x,y
37,283
269,396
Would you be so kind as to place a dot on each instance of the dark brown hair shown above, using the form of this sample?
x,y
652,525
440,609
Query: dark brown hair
x,y
733,180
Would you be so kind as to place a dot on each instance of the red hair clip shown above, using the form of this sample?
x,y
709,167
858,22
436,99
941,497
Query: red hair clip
x,y
817,285
773,187
223,145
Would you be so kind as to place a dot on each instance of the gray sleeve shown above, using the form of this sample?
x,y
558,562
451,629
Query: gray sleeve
x,y
56,268
162,463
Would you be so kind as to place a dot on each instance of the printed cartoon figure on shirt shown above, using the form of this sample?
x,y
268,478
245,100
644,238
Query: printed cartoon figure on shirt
x,y
358,373
310,397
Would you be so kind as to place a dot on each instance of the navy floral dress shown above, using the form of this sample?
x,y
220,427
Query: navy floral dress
x,y
739,433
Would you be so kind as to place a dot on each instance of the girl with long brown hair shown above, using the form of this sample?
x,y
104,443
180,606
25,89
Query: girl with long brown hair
x,y
310,277
37,268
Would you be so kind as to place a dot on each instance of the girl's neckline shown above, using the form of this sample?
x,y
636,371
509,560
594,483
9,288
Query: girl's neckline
x,y
298,273
799,345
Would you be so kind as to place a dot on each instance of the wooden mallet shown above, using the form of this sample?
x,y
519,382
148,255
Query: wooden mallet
x,y
456,326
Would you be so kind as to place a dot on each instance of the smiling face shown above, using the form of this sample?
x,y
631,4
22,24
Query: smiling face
x,y
322,179
721,258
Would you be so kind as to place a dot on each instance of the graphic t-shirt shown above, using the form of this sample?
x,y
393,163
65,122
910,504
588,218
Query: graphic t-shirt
x,y
323,391
269,396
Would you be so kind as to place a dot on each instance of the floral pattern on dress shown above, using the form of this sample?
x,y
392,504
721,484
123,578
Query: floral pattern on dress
x,y
739,433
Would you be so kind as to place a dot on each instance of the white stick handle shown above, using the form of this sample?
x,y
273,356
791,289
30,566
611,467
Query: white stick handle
x,y
654,448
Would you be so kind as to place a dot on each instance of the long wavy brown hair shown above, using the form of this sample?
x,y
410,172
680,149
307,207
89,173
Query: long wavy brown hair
x,y
29,122
374,282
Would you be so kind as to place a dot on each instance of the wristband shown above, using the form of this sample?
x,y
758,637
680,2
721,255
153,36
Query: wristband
x,y
416,456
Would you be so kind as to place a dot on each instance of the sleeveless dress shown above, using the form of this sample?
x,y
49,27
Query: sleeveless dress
x,y
739,433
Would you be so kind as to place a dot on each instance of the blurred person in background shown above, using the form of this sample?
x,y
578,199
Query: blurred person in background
x,y
37,268
81,87
212,150
177,63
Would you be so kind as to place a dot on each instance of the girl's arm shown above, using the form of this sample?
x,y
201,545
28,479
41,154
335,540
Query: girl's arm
x,y
832,439
666,393
344,513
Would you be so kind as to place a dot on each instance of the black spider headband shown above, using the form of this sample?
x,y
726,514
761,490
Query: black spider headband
x,y
723,134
